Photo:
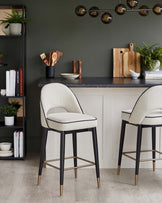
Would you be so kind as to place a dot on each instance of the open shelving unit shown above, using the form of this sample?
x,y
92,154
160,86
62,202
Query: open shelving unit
x,y
20,59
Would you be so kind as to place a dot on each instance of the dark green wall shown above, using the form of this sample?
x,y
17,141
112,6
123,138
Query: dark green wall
x,y
55,26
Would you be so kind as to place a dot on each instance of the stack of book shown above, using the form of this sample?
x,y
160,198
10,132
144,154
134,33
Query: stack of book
x,y
14,82
153,75
18,144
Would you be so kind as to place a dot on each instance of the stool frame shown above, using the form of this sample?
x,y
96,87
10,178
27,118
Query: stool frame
x,y
138,147
62,154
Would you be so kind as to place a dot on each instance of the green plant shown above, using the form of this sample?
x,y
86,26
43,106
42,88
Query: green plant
x,y
148,54
14,17
8,110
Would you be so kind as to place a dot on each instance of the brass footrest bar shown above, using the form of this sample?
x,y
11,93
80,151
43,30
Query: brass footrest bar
x,y
83,166
91,163
142,160
71,157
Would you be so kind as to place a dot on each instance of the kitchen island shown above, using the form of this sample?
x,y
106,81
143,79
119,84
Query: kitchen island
x,y
105,98
102,82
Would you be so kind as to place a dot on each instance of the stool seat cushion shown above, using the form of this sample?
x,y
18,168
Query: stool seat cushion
x,y
68,121
154,118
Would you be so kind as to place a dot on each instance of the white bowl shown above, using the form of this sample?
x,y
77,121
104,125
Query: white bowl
x,y
134,75
70,76
5,146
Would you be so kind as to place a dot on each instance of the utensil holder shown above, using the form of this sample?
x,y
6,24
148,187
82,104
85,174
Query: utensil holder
x,y
50,72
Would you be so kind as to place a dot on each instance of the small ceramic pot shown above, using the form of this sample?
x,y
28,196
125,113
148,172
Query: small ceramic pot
x,y
15,28
9,120
155,64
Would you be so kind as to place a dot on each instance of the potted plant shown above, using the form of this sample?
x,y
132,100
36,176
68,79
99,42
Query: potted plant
x,y
151,56
9,111
13,22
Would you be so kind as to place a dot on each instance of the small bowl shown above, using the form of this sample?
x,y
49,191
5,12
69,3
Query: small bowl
x,y
5,146
70,76
134,75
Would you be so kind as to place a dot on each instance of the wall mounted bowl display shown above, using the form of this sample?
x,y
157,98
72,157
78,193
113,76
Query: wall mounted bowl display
x,y
80,11
157,9
106,18
142,11
93,11
69,76
132,3
120,9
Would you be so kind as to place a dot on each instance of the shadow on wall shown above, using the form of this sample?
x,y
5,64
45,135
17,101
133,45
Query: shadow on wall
x,y
33,128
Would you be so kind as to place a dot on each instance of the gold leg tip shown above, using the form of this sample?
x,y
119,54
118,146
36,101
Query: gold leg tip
x,y
76,173
118,170
39,179
136,179
153,166
98,182
61,190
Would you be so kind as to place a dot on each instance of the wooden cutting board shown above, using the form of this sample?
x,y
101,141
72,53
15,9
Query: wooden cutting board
x,y
118,61
131,60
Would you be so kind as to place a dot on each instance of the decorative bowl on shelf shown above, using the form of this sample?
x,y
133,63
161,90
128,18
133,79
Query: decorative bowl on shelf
x,y
5,146
134,75
69,76
6,153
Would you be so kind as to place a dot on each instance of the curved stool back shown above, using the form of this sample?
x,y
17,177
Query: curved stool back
x,y
146,113
149,101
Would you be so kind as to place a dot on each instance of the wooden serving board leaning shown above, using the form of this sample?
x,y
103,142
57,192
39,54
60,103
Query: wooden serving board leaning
x,y
118,61
131,60
125,59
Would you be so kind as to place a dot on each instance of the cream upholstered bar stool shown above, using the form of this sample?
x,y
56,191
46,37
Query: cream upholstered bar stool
x,y
146,113
56,95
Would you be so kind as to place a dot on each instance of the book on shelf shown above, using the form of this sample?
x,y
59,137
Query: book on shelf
x,y
21,81
14,82
18,144
153,75
17,83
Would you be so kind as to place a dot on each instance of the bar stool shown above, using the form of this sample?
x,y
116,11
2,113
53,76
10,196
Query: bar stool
x,y
73,121
146,113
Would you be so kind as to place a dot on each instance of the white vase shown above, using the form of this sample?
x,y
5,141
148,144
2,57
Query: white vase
x,y
15,28
156,64
9,120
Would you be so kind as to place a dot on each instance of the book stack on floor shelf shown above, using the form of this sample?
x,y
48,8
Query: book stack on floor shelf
x,y
14,82
18,144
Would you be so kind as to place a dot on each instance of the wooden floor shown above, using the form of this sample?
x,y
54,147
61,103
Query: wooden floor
x,y
18,185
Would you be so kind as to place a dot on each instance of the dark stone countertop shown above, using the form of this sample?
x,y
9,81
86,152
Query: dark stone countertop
x,y
101,82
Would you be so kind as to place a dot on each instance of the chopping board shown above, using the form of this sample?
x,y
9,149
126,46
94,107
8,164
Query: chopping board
x,y
118,61
131,60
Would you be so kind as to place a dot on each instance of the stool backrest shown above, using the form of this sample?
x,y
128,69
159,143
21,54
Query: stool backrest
x,y
56,95
150,100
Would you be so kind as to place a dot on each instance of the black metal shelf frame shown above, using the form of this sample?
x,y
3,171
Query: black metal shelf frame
x,y
20,125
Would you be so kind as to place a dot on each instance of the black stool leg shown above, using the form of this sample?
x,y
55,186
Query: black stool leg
x,y
122,135
62,156
153,145
42,155
75,152
95,147
138,150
